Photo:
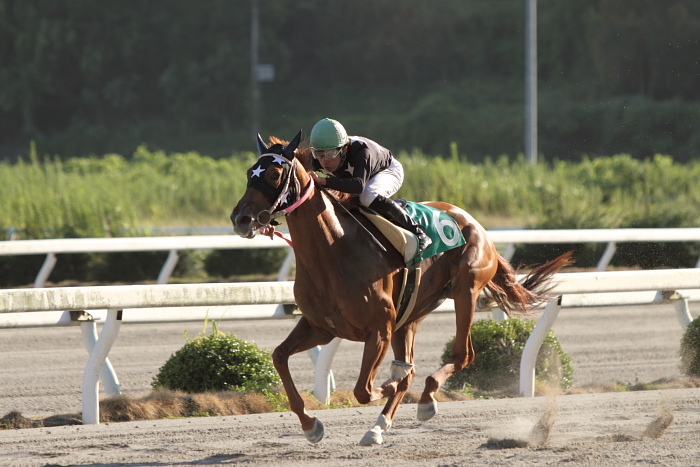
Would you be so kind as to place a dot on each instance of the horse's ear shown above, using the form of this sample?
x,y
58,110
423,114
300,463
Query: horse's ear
x,y
262,147
289,149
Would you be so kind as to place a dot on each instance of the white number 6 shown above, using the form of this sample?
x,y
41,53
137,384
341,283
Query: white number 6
x,y
441,225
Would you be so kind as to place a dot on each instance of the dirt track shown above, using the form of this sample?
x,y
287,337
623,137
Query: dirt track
x,y
41,371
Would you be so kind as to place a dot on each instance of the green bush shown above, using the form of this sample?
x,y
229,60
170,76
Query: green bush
x,y
690,349
499,347
216,363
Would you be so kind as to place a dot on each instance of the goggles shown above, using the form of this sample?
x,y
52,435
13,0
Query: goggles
x,y
326,154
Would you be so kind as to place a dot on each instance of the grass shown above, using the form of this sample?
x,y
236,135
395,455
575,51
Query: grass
x,y
165,404
114,195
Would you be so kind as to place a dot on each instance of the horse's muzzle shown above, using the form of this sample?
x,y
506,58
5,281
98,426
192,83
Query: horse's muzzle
x,y
243,224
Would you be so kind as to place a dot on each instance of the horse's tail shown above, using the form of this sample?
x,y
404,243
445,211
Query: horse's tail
x,y
521,297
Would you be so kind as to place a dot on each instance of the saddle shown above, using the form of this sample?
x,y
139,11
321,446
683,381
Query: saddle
x,y
403,240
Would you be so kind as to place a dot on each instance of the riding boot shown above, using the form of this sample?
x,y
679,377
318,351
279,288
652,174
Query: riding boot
x,y
393,212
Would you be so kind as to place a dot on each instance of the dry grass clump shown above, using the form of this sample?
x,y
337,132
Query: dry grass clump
x,y
16,421
173,404
663,383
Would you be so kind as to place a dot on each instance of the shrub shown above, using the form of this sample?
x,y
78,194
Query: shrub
x,y
499,347
690,349
215,363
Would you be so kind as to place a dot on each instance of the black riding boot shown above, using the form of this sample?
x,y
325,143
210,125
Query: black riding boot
x,y
393,212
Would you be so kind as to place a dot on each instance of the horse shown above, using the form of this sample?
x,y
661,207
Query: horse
x,y
347,284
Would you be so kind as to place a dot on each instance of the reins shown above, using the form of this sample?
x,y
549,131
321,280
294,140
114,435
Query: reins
x,y
338,203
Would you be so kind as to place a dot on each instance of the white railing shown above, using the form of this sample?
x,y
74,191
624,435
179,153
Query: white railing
x,y
506,238
665,285
53,247
611,237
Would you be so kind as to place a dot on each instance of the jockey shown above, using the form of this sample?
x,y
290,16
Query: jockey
x,y
360,166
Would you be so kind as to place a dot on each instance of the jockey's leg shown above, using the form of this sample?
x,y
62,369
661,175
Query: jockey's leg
x,y
392,211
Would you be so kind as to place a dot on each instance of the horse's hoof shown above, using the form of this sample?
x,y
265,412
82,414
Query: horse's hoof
x,y
373,436
426,411
315,434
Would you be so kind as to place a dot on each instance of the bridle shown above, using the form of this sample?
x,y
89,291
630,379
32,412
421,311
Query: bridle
x,y
266,218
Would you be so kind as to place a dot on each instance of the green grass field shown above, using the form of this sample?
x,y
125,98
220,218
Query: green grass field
x,y
112,195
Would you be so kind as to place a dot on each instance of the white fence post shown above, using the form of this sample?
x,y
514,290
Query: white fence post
x,y
324,383
45,270
604,260
168,267
533,344
683,312
108,377
91,377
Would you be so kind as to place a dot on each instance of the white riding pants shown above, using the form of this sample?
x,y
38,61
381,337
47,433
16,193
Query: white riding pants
x,y
385,183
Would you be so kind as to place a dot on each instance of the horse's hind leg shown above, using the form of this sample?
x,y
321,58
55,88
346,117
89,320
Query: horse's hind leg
x,y
402,373
462,353
303,337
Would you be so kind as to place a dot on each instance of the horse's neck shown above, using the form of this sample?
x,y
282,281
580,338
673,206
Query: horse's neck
x,y
314,227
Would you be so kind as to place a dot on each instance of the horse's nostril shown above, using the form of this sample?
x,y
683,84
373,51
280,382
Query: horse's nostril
x,y
243,220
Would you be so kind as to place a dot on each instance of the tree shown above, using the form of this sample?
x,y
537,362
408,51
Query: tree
x,y
646,47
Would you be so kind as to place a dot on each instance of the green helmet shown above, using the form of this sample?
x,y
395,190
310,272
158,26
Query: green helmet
x,y
328,134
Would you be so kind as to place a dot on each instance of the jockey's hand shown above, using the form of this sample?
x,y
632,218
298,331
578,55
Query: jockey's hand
x,y
318,180
267,230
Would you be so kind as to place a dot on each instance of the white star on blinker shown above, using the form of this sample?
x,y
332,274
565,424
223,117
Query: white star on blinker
x,y
283,201
280,160
257,172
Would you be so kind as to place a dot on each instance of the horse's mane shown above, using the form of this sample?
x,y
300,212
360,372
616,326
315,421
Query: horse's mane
x,y
303,153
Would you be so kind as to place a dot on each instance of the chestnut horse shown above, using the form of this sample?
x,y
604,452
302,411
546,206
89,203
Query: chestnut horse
x,y
347,286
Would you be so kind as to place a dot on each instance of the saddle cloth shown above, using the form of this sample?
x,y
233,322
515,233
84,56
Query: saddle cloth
x,y
441,228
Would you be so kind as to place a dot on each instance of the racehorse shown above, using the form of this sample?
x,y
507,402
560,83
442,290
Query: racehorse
x,y
347,285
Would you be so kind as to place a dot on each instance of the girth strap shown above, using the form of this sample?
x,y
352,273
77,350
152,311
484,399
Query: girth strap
x,y
409,292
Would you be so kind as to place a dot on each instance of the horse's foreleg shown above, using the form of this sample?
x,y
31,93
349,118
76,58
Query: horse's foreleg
x,y
303,337
402,373
462,353
375,350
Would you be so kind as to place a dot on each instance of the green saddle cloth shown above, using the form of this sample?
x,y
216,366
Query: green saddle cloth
x,y
441,228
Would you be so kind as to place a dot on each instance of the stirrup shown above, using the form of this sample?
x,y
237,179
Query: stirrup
x,y
423,241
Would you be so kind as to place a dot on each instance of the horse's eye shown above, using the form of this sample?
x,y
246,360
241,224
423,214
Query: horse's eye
x,y
274,177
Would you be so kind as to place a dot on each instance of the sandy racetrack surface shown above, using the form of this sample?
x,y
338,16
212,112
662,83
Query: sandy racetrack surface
x,y
591,429
41,372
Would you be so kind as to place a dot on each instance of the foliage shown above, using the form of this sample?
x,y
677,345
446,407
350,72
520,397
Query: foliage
x,y
690,349
218,362
499,347
110,195
83,78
